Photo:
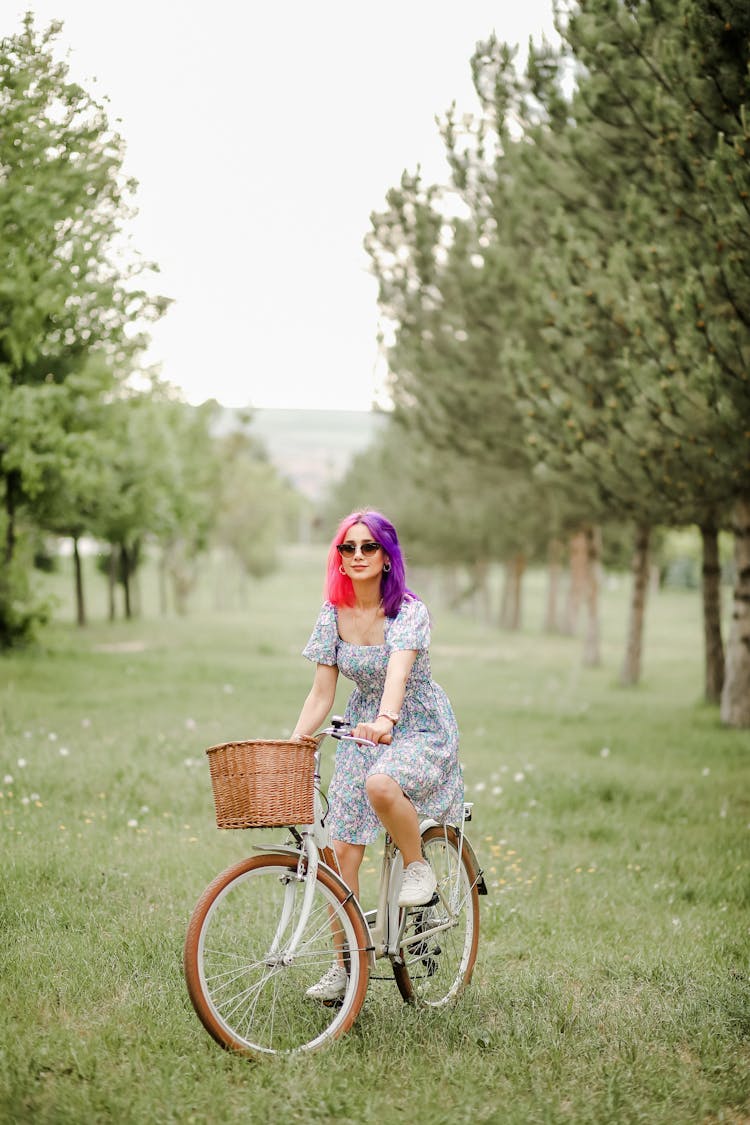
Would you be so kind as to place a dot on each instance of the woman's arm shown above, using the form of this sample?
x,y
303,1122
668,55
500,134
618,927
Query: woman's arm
x,y
319,702
400,664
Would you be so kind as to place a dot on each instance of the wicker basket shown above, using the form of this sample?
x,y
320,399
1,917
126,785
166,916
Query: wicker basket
x,y
262,783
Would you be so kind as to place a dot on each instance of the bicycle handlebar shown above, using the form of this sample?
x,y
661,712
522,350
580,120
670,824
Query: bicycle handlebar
x,y
343,735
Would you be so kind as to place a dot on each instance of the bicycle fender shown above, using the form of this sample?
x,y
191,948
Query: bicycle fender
x,y
477,872
288,849
471,856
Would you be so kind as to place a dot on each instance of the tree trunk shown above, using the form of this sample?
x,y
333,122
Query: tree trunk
x,y
554,572
112,578
510,605
125,579
592,656
10,516
713,644
577,586
735,698
80,604
163,600
480,590
631,668
449,583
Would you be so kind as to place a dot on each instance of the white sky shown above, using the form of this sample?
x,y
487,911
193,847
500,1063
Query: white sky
x,y
262,136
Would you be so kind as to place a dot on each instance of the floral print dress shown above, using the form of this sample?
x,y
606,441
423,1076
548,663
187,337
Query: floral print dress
x,y
423,756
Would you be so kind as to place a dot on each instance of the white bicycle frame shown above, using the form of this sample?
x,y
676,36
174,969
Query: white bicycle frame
x,y
386,922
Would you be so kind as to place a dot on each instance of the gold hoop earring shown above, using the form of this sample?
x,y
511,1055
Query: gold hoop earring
x,y
386,568
341,569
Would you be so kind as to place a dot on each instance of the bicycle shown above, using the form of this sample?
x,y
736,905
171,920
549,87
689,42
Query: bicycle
x,y
266,928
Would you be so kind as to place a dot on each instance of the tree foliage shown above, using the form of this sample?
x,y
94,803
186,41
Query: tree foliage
x,y
67,304
573,305
86,448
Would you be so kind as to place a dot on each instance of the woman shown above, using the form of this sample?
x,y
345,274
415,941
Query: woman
x,y
375,631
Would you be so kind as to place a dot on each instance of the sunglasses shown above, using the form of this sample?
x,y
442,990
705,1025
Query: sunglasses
x,y
348,549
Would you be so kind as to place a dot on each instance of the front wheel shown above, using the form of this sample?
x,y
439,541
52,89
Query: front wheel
x,y
435,967
247,985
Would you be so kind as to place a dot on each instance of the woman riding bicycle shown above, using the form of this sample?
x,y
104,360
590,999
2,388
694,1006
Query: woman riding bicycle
x,y
376,631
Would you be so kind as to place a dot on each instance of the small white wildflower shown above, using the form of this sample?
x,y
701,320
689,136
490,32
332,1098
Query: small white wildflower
x,y
189,724
25,800
228,689
676,922
63,752
27,734
189,762
497,790
8,780
604,752
85,722
21,763
519,776
532,804
144,808
52,736
132,823
480,787
34,797
705,771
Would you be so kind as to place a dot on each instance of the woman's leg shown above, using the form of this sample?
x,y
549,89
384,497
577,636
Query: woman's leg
x,y
397,815
350,861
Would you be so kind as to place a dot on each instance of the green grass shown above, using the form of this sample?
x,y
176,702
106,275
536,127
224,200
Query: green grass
x,y
613,980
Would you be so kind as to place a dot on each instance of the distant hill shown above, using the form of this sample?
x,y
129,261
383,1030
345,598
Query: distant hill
x,y
313,448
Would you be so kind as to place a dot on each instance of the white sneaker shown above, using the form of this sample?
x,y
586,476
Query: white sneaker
x,y
331,986
418,885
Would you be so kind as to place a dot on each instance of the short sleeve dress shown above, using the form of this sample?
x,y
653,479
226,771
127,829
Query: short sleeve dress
x,y
423,756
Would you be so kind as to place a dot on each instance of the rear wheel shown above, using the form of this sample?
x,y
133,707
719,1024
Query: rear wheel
x,y
248,991
435,969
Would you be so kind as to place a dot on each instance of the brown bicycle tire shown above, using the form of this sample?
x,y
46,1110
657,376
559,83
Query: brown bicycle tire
x,y
335,891
408,988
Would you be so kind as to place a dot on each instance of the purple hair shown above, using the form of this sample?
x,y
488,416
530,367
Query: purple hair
x,y
393,588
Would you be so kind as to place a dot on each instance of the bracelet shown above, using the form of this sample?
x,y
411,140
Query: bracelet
x,y
392,715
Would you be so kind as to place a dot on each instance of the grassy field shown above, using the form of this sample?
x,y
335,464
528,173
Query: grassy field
x,y
613,980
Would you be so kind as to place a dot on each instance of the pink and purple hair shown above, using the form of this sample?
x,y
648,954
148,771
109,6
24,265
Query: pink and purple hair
x,y
393,588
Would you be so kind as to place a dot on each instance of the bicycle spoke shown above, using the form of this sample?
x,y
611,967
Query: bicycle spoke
x,y
440,941
248,987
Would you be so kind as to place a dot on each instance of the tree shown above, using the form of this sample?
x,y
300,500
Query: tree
x,y
452,267
74,494
64,296
255,507
190,479
665,88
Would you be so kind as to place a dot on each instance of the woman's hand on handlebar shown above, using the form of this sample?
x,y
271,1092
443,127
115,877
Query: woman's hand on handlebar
x,y
379,731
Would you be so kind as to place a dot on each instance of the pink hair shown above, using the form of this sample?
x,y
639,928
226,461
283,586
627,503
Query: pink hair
x,y
393,588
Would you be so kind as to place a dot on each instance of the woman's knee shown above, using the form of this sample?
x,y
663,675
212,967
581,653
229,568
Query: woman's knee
x,y
382,790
